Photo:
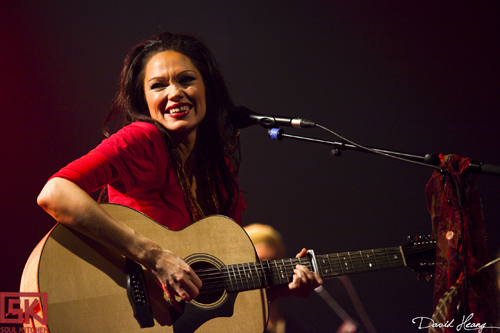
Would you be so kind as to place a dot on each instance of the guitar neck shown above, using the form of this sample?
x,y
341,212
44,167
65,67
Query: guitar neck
x,y
331,265
255,275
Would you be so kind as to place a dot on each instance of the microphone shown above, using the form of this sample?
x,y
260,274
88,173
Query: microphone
x,y
242,117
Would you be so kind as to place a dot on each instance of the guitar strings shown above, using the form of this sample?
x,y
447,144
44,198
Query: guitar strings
x,y
241,275
353,257
244,276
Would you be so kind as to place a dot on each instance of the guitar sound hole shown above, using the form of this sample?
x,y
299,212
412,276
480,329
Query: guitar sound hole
x,y
212,288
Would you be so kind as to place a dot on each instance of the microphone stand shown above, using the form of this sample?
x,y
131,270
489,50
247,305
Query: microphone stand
x,y
430,159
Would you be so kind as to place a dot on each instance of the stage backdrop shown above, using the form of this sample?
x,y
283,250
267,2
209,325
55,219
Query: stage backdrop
x,y
418,77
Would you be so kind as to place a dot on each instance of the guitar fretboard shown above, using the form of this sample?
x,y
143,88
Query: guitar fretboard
x,y
255,275
330,265
240,277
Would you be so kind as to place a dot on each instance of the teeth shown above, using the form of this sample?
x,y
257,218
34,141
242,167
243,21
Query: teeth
x,y
183,108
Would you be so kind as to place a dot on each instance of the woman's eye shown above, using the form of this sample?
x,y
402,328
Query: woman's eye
x,y
187,79
157,85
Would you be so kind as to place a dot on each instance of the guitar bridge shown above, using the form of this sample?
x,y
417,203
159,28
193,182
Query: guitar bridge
x,y
138,294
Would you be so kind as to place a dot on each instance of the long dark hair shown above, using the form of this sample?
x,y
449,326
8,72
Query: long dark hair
x,y
217,139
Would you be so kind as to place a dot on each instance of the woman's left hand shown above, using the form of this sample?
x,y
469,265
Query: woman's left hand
x,y
304,281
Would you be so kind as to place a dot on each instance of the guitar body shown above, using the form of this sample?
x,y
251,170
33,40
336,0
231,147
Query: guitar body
x,y
87,284
92,289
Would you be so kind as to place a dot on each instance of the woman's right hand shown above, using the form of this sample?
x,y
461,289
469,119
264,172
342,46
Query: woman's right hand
x,y
175,276
73,207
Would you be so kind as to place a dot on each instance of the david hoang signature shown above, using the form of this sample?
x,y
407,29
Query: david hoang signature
x,y
466,325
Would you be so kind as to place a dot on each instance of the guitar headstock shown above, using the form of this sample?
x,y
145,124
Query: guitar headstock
x,y
420,255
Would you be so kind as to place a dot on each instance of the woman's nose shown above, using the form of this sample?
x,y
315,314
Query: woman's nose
x,y
175,92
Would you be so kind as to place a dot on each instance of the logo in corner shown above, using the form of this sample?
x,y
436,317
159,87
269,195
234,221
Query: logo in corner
x,y
23,306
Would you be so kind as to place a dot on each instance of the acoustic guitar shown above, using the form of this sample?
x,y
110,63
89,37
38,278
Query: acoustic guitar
x,y
93,289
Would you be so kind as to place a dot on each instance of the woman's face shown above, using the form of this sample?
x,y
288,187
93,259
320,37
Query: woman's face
x,y
175,93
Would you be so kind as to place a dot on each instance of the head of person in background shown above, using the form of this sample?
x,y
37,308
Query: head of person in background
x,y
269,245
267,241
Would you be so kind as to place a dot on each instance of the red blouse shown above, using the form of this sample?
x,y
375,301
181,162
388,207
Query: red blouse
x,y
134,164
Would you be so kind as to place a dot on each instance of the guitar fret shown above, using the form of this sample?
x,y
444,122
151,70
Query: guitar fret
x,y
245,276
235,278
281,272
278,271
356,262
262,271
239,276
258,276
396,258
250,276
285,269
264,275
368,264
363,260
385,260
269,273
340,263
381,258
230,287
289,269
403,260
352,265
375,257
326,264
344,264
330,264
388,258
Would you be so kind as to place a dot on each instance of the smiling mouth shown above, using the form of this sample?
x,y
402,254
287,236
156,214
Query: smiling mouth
x,y
179,109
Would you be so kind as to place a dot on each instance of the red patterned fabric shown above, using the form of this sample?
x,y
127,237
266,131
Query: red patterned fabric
x,y
442,203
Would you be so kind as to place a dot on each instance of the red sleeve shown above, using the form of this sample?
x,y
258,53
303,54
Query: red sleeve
x,y
137,152
91,172
130,155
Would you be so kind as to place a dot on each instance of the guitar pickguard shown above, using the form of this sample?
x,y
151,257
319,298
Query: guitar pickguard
x,y
193,317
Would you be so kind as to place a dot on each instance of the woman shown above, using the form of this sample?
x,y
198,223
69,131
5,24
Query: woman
x,y
174,160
